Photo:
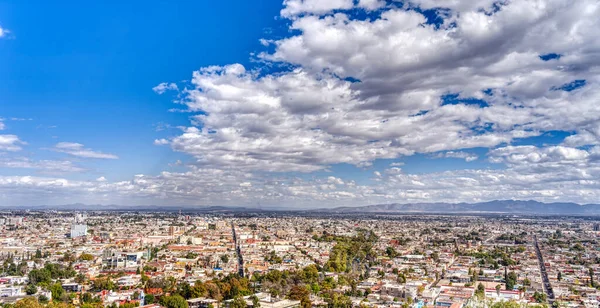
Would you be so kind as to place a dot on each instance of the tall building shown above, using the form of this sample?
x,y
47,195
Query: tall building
x,y
78,230
596,227
78,227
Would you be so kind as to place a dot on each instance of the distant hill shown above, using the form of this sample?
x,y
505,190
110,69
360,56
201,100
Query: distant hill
x,y
496,206
141,208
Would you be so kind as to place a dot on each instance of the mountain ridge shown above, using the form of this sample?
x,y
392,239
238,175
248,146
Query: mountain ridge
x,y
494,206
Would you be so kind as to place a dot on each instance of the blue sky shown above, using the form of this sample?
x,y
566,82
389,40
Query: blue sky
x,y
297,103
84,72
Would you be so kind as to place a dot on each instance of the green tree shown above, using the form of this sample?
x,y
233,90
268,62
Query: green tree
x,y
480,292
175,301
238,302
511,280
225,259
100,284
31,289
539,297
43,299
57,291
508,304
255,301
149,299
39,276
391,252
336,300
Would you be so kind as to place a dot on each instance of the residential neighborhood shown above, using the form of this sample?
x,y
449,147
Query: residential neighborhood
x,y
105,259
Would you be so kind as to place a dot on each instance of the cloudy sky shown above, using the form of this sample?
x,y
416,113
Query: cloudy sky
x,y
300,103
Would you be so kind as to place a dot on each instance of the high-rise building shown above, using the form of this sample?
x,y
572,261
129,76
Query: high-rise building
x,y
78,227
78,230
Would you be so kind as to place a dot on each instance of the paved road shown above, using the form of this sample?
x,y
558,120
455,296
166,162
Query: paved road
x,y
545,280
238,251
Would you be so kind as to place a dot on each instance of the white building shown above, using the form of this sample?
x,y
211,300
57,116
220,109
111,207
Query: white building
x,y
78,230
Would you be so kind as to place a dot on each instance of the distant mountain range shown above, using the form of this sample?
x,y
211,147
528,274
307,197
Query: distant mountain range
x,y
141,208
496,206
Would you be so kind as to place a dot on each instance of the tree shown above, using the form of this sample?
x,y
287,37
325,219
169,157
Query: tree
x,y
185,290
225,259
559,276
336,300
238,302
29,302
103,284
87,298
298,292
31,289
175,301
86,257
57,290
480,291
539,297
511,280
59,305
498,288
255,301
43,299
39,276
391,252
149,299
509,304
144,278
304,302
198,290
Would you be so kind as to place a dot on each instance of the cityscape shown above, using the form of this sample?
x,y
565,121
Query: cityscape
x,y
300,154
175,259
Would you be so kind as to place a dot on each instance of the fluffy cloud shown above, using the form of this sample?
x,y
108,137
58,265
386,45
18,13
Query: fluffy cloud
x,y
367,89
353,89
464,75
78,149
296,7
10,143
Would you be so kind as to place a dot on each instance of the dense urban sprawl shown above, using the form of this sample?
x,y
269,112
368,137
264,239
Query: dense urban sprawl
x,y
173,260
